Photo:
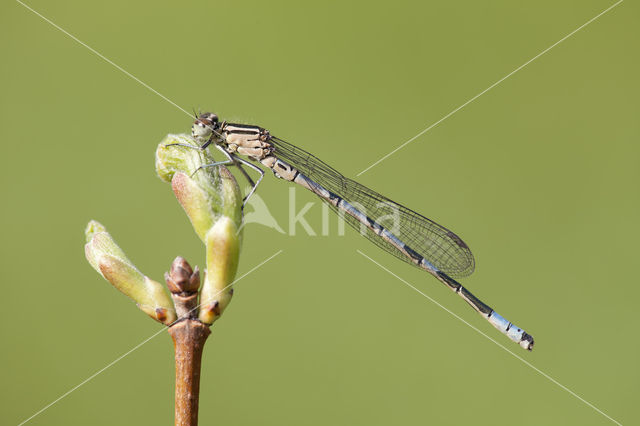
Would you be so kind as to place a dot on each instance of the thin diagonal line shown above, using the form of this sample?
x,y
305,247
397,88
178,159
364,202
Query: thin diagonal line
x,y
499,344
88,379
491,87
100,55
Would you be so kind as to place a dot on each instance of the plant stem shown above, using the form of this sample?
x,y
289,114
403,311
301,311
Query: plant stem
x,y
189,335
188,340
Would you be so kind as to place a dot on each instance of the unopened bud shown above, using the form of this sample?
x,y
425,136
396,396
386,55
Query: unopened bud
x,y
109,260
181,278
205,193
223,249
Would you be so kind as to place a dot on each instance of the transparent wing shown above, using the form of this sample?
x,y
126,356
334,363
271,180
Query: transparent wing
x,y
444,249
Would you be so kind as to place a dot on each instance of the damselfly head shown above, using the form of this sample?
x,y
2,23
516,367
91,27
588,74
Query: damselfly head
x,y
204,126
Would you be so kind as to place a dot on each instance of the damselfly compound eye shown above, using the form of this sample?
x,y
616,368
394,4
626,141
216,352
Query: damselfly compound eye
x,y
209,116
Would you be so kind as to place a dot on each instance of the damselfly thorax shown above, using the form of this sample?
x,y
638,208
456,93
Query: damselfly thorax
x,y
253,142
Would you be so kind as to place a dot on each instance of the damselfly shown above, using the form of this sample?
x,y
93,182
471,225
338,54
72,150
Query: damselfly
x,y
398,230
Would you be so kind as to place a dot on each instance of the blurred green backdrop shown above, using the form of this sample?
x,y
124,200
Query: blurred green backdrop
x,y
539,175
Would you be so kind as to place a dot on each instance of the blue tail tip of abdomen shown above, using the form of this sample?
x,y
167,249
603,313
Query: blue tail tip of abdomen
x,y
527,341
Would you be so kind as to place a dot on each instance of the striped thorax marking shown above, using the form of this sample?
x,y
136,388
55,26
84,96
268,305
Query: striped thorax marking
x,y
250,141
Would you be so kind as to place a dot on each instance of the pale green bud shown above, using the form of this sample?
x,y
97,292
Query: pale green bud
x,y
109,260
205,194
223,249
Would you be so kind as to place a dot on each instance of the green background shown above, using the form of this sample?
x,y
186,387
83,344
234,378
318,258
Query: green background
x,y
539,176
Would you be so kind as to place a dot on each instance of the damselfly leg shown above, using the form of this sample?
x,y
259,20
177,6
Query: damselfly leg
x,y
231,160
254,167
237,161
